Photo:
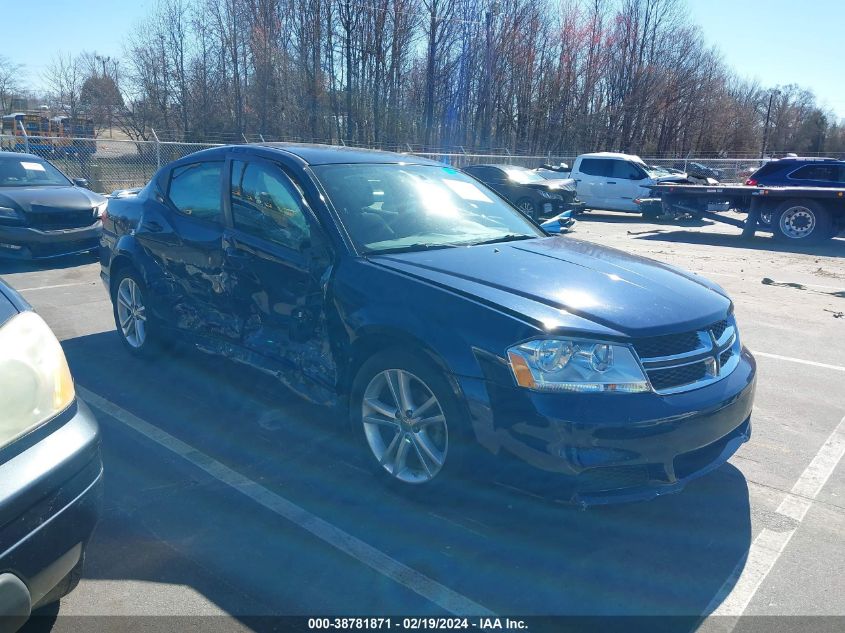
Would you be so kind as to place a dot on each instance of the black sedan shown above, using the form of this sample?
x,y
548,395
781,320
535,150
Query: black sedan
x,y
527,190
42,212
50,467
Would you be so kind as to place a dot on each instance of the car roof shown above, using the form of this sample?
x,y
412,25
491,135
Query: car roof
x,y
807,159
19,156
499,166
611,155
316,154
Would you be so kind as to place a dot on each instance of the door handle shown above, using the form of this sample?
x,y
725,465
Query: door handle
x,y
152,226
610,182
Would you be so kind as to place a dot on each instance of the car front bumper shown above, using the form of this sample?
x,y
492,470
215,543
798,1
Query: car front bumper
x,y
605,448
50,497
23,242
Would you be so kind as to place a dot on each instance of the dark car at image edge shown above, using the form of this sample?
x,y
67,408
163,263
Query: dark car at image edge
x,y
50,467
43,213
453,333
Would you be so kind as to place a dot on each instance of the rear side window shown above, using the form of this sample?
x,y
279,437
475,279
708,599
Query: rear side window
x,y
195,190
765,170
595,167
829,173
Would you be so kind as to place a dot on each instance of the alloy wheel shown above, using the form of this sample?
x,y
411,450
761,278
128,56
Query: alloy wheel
x,y
405,426
797,222
131,312
526,207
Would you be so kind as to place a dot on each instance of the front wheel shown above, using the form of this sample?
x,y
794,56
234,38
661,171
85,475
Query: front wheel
x,y
407,419
527,208
804,221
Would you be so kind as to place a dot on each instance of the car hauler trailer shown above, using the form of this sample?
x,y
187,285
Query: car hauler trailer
x,y
793,214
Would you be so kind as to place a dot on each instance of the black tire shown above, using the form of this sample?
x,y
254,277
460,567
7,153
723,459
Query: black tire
x,y
527,207
152,340
456,423
801,222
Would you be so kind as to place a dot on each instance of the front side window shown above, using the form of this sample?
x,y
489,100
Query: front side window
x,y
595,167
265,203
195,190
398,207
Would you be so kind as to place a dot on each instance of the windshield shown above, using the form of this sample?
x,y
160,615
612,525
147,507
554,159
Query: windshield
x,y
523,176
412,207
28,172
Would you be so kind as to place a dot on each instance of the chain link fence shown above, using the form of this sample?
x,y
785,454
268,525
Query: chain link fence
x,y
110,164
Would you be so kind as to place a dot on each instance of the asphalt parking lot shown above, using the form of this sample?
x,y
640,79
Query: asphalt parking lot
x,y
227,497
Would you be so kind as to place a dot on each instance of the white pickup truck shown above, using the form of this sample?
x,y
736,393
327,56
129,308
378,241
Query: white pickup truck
x,y
607,180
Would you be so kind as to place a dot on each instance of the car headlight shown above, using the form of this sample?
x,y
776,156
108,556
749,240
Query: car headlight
x,y
100,209
7,213
35,382
576,365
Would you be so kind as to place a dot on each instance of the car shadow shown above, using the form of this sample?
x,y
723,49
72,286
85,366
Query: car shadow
x,y
830,248
511,552
609,217
10,266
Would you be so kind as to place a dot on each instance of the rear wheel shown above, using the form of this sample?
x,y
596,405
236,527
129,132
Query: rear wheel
x,y
137,331
804,221
407,420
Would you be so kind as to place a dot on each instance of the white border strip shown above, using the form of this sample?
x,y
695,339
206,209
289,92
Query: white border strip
x,y
78,283
799,360
739,589
377,560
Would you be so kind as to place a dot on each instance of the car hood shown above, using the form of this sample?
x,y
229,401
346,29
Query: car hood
x,y
60,198
672,178
557,185
562,283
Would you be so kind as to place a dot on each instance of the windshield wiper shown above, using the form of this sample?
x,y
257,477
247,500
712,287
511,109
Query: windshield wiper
x,y
510,237
409,248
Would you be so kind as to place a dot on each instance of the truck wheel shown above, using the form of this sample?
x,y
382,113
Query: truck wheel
x,y
804,221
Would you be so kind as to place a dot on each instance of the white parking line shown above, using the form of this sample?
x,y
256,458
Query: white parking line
x,y
799,360
739,589
377,560
78,283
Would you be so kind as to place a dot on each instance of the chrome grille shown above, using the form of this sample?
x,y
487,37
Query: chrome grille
x,y
680,375
680,362
666,345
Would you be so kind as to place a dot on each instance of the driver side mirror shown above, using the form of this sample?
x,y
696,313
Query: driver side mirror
x,y
81,182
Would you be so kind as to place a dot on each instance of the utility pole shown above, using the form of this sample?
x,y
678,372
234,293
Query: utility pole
x,y
766,127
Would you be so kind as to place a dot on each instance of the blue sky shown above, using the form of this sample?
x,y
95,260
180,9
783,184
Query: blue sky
x,y
775,41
